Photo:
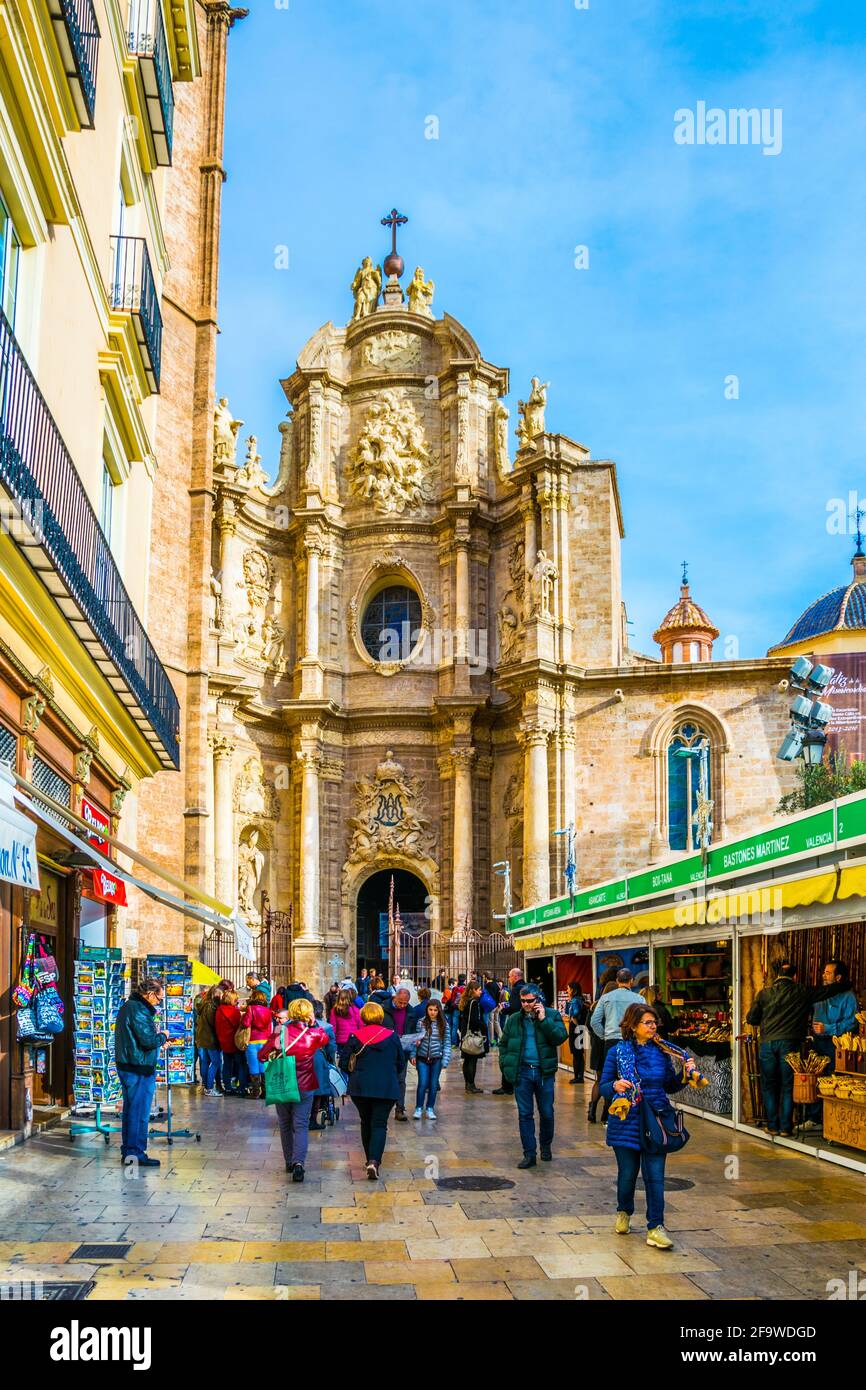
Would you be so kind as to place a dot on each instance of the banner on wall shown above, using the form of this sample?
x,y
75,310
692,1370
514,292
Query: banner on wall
x,y
846,694
634,958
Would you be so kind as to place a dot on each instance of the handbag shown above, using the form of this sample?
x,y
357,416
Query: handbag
x,y
281,1075
22,994
337,1080
242,1038
353,1060
49,1011
473,1043
662,1129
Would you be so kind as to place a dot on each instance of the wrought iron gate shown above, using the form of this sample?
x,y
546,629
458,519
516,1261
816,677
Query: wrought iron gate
x,y
273,947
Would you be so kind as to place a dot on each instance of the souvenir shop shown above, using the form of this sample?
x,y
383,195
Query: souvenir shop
x,y
708,948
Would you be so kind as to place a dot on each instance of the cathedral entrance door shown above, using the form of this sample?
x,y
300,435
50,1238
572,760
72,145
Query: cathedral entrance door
x,y
376,945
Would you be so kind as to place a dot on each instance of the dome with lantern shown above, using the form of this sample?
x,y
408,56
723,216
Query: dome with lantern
x,y
685,633
828,624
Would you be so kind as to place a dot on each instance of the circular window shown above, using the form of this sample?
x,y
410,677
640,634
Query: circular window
x,y
391,624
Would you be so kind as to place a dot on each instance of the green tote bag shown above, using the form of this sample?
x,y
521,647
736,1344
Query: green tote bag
x,y
281,1075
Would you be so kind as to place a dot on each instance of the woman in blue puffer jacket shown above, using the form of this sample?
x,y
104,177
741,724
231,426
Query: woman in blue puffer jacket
x,y
638,1057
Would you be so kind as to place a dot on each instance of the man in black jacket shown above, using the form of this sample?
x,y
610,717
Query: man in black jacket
x,y
782,1011
515,984
136,1045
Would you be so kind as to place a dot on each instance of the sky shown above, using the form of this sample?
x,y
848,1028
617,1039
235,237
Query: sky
x,y
710,337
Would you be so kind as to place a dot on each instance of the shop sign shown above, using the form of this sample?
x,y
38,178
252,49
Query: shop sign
x,y
667,877
99,823
44,909
519,920
107,889
18,852
807,835
851,819
602,895
550,912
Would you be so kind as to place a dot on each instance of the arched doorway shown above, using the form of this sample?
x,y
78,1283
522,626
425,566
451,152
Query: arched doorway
x,y
371,939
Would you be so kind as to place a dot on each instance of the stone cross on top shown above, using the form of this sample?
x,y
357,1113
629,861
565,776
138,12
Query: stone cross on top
x,y
393,264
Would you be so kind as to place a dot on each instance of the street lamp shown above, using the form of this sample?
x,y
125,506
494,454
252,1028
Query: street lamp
x,y
807,736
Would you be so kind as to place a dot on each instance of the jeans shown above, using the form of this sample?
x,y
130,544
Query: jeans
x,y
293,1120
256,1067
453,1019
235,1074
374,1125
777,1082
138,1093
428,1082
209,1064
532,1087
576,1038
629,1163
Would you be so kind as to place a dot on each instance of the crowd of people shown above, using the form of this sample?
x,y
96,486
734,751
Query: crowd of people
x,y
367,1038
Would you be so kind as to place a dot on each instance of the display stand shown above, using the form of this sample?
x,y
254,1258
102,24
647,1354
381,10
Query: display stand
x,y
99,990
98,1127
176,1062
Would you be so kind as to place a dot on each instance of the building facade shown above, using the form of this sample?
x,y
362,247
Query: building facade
x,y
107,115
418,660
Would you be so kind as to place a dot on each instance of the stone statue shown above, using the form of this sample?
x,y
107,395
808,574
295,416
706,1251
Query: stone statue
x,y
251,861
503,462
225,434
420,294
366,287
390,464
273,641
216,591
252,474
532,414
544,575
510,635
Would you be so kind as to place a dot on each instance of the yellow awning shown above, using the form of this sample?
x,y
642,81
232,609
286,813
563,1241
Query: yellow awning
x,y
852,881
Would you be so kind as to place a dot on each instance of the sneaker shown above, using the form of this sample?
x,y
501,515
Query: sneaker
x,y
372,1171
431,1114
298,1172
812,1125
659,1238
622,1225
401,1115
212,1093
418,1113
527,1161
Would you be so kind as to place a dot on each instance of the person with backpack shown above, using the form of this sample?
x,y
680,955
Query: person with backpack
x,y
432,1055
295,1033
576,1014
346,1016
375,1062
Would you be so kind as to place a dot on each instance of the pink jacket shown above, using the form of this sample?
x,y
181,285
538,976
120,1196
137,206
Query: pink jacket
x,y
344,1027
260,1021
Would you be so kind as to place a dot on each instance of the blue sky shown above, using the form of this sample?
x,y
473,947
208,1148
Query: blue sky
x,y
556,130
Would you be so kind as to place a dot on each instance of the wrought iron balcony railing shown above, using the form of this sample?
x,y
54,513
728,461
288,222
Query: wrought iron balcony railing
x,y
145,38
77,35
47,511
133,289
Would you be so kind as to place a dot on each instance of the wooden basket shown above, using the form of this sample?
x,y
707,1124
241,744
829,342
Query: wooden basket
x,y
805,1087
849,1061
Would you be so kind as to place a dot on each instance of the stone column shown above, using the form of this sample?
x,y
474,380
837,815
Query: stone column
x,y
312,674
224,851
536,817
310,760
530,537
463,894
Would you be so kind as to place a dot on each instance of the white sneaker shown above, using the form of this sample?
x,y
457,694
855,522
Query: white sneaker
x,y
418,1113
431,1114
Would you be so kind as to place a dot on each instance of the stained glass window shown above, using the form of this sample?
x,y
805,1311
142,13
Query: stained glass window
x,y
688,751
391,624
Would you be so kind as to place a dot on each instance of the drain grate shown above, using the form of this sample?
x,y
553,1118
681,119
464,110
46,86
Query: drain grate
x,y
100,1252
678,1184
473,1184
77,1292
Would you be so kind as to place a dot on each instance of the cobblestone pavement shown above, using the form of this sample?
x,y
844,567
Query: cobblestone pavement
x,y
221,1219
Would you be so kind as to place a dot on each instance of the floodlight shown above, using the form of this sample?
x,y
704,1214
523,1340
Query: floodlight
x,y
820,678
821,713
792,745
801,670
801,710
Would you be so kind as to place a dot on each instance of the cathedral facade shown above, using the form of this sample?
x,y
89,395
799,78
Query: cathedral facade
x,y
418,660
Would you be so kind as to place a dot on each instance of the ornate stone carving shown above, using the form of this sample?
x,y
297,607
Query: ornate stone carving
x,y
81,771
251,862
225,434
252,474
544,577
420,294
510,617
118,796
313,470
216,596
222,744
391,816
254,795
500,428
366,288
45,682
462,468
249,631
512,800
34,708
390,464
531,414
394,349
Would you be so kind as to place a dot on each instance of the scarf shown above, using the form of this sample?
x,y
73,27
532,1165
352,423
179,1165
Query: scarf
x,y
626,1066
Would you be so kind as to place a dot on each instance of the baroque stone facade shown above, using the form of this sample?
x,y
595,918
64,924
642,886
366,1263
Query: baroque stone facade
x,y
511,705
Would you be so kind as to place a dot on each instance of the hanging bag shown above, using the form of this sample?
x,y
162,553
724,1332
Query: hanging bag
x,y
49,1015
281,1074
662,1128
472,1043
353,1060
22,994
337,1080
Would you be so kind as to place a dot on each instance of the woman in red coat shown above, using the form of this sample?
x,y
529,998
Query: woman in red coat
x,y
227,1021
296,1033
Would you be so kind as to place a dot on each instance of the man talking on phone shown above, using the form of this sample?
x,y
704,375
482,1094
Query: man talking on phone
x,y
529,1057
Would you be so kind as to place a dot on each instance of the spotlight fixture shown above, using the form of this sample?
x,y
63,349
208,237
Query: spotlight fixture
x,y
807,736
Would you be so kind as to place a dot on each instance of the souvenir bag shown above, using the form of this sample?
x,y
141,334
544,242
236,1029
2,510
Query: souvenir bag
x,y
25,1023
49,1011
281,1075
22,994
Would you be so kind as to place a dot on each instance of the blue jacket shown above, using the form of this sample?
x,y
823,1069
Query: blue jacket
x,y
657,1077
838,1014
321,1059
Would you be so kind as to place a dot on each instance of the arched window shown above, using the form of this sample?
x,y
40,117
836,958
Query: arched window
x,y
689,773
391,623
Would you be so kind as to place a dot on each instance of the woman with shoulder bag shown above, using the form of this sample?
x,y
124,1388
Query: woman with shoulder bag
x,y
472,1036
226,1023
375,1061
638,1077
295,1033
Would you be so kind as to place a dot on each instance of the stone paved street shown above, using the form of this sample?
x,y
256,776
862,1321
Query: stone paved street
x,y
221,1219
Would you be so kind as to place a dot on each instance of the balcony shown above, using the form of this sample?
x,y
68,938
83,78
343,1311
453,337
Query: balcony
x,y
145,39
77,34
58,533
133,291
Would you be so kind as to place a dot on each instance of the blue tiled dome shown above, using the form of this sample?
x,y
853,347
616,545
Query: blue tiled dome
x,y
840,609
